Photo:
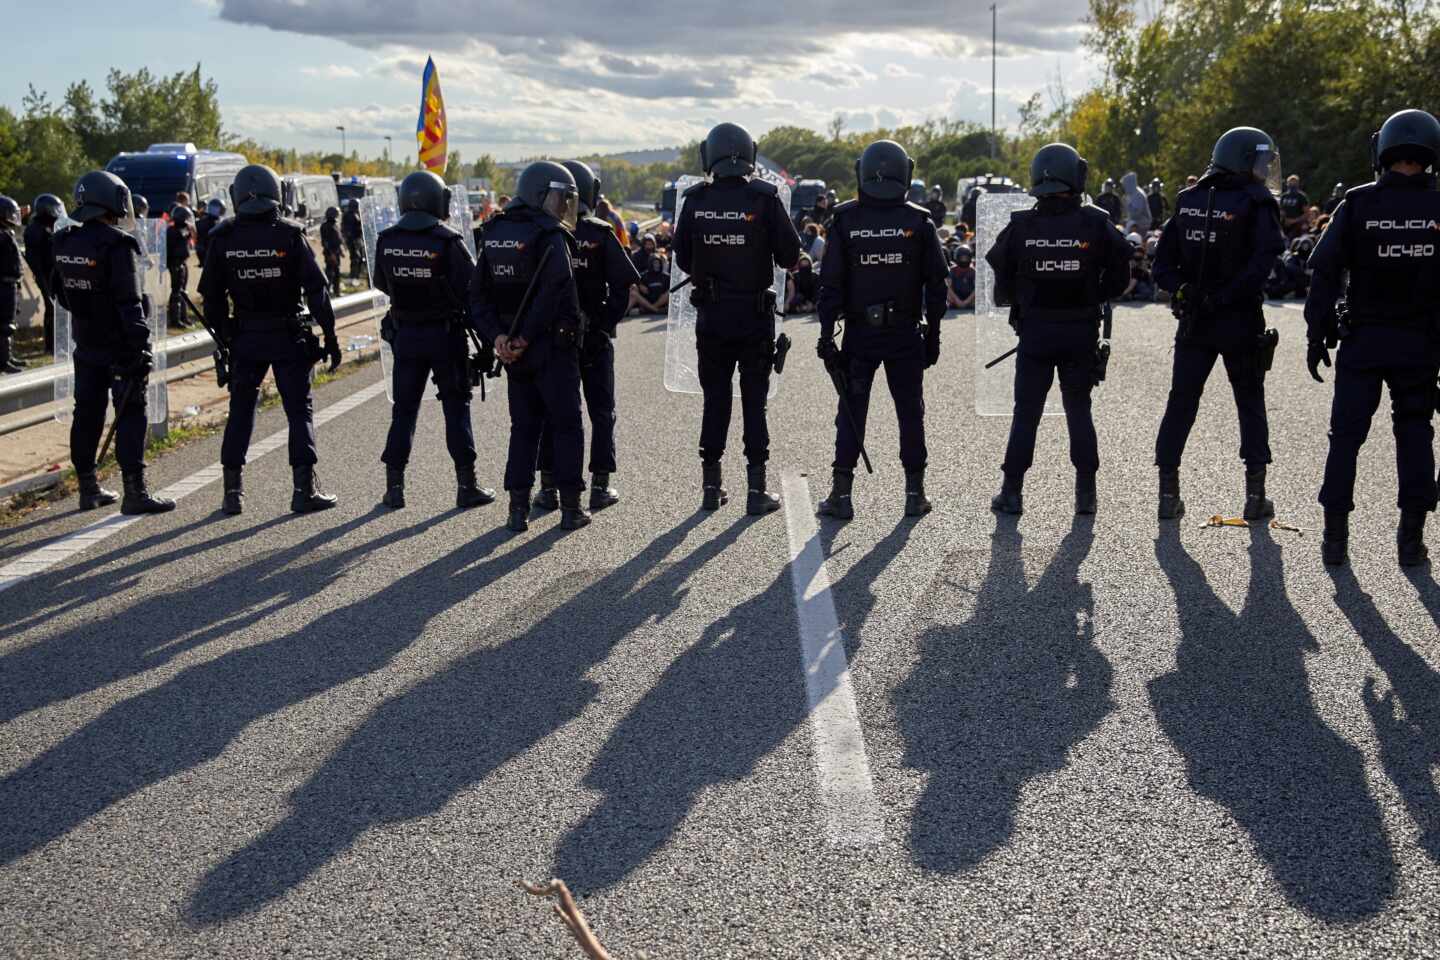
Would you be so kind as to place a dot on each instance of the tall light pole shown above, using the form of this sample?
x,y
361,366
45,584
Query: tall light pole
x,y
342,143
994,137
389,156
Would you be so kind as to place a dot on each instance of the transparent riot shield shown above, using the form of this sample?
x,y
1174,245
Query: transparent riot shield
x,y
460,218
64,348
378,213
153,276
995,386
682,363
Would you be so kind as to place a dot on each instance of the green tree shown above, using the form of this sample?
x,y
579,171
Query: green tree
x,y
142,109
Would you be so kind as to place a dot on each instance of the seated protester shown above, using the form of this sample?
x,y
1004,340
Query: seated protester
x,y
665,236
812,242
1142,284
652,294
960,282
802,286
641,256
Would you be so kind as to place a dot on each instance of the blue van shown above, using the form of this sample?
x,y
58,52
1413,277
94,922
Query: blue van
x,y
165,169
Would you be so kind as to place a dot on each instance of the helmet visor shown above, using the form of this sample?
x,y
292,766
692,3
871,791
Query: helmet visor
x,y
562,201
1267,168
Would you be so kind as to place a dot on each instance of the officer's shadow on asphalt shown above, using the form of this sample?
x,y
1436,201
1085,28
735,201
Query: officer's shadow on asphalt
x,y
158,628
722,705
1001,699
448,732
1239,710
1407,715
192,717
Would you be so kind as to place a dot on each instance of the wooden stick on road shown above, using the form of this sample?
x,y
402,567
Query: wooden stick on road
x,y
569,915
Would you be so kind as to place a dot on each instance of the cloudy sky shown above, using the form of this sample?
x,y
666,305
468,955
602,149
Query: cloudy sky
x,y
522,76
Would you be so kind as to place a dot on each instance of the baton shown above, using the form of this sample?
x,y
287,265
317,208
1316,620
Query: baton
x,y
119,409
1004,356
842,387
681,285
530,291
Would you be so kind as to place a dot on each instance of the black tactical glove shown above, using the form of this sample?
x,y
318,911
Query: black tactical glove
x,y
932,351
332,350
1182,301
1316,354
1102,363
826,348
137,366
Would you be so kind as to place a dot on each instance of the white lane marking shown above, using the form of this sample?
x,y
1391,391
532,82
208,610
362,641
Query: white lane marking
x,y
42,559
847,792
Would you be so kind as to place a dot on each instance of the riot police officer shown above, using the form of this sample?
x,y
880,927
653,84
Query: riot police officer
x,y
1057,266
603,277
215,211
330,248
1214,257
523,300
178,237
883,276
1383,237
97,278
422,264
935,206
262,264
1109,201
45,212
354,235
1159,206
730,232
142,206
9,281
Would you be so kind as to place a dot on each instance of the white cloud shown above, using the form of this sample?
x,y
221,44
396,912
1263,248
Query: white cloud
x,y
332,71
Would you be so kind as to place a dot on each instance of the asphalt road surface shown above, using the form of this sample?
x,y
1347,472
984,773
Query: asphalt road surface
x,y
349,734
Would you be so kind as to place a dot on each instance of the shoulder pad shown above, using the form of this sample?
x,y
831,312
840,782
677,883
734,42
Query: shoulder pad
x,y
696,188
116,235
1362,189
1022,214
1092,211
850,204
765,187
595,221
916,208
445,230
223,227
295,225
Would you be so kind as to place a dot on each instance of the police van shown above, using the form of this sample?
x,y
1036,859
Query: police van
x,y
305,196
165,169
353,188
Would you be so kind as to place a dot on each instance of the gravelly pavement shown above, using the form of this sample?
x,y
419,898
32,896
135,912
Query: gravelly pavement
x,y
348,734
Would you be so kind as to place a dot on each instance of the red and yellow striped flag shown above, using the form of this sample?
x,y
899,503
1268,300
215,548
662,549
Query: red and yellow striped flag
x,y
430,130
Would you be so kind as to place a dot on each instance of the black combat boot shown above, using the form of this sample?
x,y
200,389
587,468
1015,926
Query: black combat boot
x,y
572,515
137,497
838,504
602,495
1335,541
394,488
1257,506
916,503
548,498
519,520
1086,499
307,498
1411,538
759,501
1171,506
93,495
468,492
1009,499
713,493
233,502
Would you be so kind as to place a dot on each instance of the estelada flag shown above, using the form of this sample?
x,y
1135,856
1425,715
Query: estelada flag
x,y
430,129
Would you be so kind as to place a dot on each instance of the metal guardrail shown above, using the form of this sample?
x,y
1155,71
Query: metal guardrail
x,y
36,387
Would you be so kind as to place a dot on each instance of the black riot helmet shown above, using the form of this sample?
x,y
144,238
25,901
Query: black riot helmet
x,y
964,255
142,205
884,170
1156,185
728,151
332,214
1108,186
48,207
424,200
1058,168
546,185
585,181
100,192
256,191
1408,135
180,216
216,208
9,212
1246,151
